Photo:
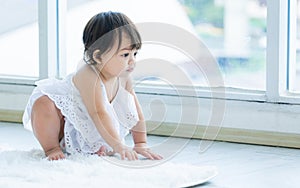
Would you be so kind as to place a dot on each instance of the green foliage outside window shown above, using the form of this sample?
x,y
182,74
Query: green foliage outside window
x,y
200,11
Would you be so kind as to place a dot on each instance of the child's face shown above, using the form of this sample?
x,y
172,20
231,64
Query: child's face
x,y
121,63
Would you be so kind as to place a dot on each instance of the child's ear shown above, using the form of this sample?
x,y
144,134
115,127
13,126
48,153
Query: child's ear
x,y
97,56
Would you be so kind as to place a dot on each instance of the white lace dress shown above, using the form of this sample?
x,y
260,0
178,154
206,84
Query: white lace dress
x,y
80,133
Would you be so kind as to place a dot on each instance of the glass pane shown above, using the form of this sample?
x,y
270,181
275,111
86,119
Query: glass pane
x,y
139,11
235,33
19,38
78,15
297,81
233,30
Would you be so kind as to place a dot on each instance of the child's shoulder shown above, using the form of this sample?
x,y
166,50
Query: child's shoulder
x,y
85,72
83,76
126,82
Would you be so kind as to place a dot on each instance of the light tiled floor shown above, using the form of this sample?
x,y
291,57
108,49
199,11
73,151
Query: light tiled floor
x,y
239,165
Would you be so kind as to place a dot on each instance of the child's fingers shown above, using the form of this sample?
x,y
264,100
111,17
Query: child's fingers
x,y
157,157
147,154
151,155
136,157
131,155
123,155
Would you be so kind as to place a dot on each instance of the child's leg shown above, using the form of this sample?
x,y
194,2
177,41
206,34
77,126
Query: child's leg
x,y
48,127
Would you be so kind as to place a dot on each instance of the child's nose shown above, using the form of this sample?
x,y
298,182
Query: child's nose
x,y
132,59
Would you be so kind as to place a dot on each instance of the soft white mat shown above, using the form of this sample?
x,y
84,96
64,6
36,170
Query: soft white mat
x,y
29,169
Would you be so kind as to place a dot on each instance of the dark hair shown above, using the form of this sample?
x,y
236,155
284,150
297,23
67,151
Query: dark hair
x,y
104,29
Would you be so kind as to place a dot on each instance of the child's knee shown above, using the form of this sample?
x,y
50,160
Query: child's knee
x,y
44,105
43,109
43,100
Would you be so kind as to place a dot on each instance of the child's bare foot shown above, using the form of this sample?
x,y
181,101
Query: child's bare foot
x,y
55,154
103,152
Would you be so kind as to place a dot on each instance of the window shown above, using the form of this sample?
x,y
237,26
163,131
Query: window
x,y
19,38
294,49
237,42
77,15
235,32
79,12
298,46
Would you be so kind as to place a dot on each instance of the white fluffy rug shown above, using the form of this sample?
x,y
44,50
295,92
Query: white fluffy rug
x,y
30,169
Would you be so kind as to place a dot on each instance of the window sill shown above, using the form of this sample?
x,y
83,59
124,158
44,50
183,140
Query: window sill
x,y
239,113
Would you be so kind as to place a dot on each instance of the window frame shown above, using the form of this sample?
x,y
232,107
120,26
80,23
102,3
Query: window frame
x,y
51,21
292,37
280,42
52,61
279,60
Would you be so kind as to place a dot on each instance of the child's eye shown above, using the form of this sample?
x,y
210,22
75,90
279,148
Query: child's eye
x,y
135,53
125,55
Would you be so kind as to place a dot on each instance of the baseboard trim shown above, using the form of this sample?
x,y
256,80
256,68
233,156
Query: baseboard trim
x,y
11,115
226,134
196,131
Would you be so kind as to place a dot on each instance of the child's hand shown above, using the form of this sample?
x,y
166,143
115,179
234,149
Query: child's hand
x,y
125,152
143,150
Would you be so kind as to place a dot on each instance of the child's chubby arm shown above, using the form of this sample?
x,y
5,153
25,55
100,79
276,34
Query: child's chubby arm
x,y
88,84
139,132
